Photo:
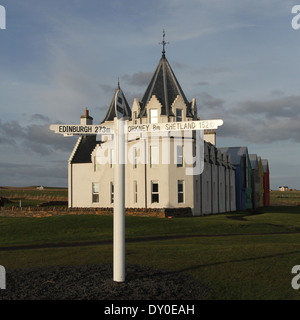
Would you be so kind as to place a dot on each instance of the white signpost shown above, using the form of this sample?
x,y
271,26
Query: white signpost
x,y
73,130
119,130
119,192
79,130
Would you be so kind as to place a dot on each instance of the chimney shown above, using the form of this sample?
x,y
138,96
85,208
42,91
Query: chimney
x,y
210,136
86,118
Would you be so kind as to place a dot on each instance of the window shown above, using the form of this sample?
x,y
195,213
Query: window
x,y
134,158
135,117
178,115
135,194
120,105
95,190
112,158
179,156
154,156
180,185
112,192
97,163
154,192
153,116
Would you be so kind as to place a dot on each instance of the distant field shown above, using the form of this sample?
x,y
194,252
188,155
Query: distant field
x,y
31,196
285,198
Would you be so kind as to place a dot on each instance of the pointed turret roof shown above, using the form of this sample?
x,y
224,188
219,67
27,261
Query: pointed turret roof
x,y
111,112
165,86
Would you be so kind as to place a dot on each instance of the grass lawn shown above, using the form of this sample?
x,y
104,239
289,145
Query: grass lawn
x,y
237,255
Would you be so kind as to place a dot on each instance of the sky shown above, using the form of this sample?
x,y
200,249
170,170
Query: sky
x,y
239,59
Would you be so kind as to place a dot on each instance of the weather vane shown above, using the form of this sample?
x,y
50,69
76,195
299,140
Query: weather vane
x,y
164,43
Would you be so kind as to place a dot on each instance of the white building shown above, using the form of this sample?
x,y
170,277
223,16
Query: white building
x,y
158,168
283,188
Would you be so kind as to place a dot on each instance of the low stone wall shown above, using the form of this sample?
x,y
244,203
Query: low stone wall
x,y
40,212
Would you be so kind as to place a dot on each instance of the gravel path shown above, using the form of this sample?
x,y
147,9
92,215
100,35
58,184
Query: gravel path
x,y
94,282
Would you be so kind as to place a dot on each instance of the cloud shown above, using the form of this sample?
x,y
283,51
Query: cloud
x,y
254,121
262,131
202,83
179,65
36,138
208,102
40,117
102,108
264,121
285,107
107,88
139,79
53,174
10,131
37,117
213,71
215,16
277,93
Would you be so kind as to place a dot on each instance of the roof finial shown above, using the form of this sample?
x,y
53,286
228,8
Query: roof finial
x,y
118,83
164,43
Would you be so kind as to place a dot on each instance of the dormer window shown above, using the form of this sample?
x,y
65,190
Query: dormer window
x,y
153,116
135,117
178,115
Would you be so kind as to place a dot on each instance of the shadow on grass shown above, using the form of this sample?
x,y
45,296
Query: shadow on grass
x,y
238,260
242,215
137,240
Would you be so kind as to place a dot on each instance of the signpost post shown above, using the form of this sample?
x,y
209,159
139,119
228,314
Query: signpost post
x,y
120,129
119,192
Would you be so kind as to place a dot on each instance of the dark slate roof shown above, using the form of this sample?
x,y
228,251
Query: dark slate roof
x,y
88,143
236,153
85,149
253,160
111,112
165,86
265,164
